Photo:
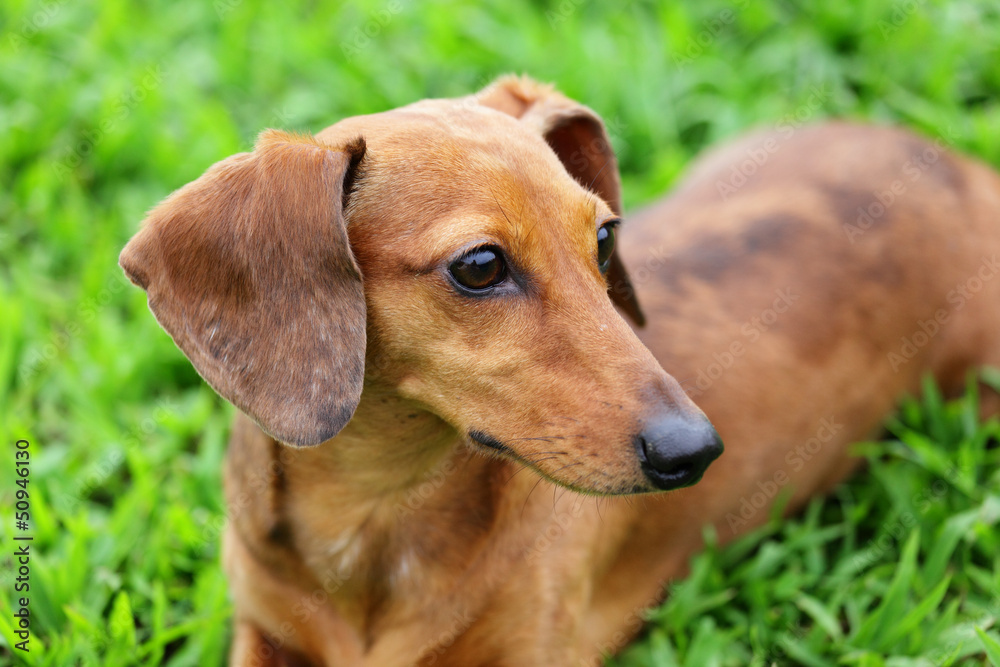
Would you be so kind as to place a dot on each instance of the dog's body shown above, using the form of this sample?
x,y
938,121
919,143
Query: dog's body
x,y
781,309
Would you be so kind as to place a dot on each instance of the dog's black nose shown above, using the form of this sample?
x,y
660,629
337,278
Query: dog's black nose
x,y
675,450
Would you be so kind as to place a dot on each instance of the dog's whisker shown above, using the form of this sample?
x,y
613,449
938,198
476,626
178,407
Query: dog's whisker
x,y
537,461
528,497
514,474
552,419
530,456
543,438
565,467
598,174
501,208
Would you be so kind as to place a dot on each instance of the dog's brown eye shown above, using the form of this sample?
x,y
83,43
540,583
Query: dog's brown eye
x,y
605,245
479,269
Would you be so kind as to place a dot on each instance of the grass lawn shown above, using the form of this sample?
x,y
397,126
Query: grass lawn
x,y
107,107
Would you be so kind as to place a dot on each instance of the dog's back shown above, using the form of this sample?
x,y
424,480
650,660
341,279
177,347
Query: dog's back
x,y
797,269
797,283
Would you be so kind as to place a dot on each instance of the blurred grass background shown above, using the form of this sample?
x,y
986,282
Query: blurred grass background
x,y
106,107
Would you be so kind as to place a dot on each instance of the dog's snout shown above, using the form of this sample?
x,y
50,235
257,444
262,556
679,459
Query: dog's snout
x,y
675,450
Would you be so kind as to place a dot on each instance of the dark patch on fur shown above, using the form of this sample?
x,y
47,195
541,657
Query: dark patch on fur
x,y
931,159
769,234
854,207
711,257
280,483
284,656
708,260
280,534
886,272
338,412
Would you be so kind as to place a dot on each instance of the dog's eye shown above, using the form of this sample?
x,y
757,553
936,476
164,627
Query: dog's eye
x,y
605,245
479,269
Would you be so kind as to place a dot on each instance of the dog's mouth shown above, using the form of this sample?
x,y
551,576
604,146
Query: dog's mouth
x,y
492,446
596,483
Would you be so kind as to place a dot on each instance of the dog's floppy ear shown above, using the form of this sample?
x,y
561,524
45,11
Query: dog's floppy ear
x,y
578,137
249,270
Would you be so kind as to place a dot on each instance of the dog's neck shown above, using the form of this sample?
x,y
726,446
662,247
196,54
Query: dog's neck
x,y
392,482
400,526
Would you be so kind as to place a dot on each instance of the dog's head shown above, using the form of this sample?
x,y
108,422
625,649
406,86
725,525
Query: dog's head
x,y
457,251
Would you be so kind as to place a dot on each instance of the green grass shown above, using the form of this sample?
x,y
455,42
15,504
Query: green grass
x,y
107,107
899,567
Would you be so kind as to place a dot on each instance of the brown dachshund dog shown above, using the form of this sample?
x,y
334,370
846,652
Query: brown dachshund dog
x,y
445,414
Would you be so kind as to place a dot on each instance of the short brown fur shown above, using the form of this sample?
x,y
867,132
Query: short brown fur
x,y
307,281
